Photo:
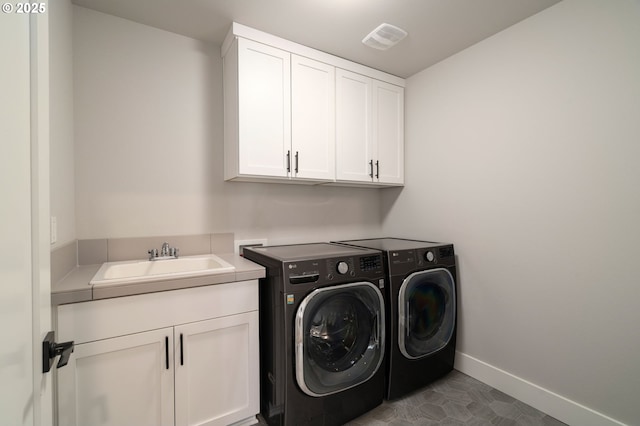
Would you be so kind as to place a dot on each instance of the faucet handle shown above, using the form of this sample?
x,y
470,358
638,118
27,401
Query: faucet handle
x,y
175,252
153,253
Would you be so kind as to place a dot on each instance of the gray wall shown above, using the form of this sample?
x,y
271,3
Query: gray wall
x,y
149,147
523,151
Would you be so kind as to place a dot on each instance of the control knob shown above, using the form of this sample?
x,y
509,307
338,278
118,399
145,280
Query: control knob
x,y
342,267
429,256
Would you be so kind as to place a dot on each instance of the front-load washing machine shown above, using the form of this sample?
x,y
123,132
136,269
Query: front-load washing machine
x,y
421,308
322,328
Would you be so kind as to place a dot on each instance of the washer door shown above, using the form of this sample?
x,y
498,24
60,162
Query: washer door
x,y
427,312
339,337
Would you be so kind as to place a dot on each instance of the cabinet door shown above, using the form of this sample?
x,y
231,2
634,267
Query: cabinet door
x,y
217,377
388,132
312,119
353,127
125,380
264,109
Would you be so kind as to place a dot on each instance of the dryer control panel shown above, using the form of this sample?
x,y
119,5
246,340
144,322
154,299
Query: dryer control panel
x,y
404,261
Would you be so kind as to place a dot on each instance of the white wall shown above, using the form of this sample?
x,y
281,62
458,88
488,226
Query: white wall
x,y
149,147
523,151
16,293
62,176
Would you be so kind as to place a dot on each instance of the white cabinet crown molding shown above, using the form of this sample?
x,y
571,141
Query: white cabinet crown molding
x,y
239,30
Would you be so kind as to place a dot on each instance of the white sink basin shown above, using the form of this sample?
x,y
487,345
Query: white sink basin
x,y
137,271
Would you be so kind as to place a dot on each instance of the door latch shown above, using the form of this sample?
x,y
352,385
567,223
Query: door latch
x,y
51,349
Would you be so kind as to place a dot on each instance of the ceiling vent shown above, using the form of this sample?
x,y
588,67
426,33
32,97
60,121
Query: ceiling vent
x,y
384,37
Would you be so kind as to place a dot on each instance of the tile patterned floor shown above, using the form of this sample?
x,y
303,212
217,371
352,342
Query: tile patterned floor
x,y
456,399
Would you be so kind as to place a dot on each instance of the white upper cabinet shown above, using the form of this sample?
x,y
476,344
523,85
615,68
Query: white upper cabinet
x,y
263,109
370,130
279,115
353,127
312,119
294,114
388,133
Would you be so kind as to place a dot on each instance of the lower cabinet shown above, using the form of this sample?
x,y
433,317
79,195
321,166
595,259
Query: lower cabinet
x,y
196,373
215,370
119,381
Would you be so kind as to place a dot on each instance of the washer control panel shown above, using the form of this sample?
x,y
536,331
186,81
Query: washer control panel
x,y
334,269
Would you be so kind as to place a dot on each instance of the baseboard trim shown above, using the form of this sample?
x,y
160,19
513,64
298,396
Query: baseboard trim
x,y
563,409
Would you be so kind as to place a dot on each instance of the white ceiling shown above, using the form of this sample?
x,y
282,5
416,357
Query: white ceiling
x,y
437,28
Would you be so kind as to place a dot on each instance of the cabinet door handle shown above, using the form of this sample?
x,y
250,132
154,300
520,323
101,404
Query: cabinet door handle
x,y
181,352
296,162
289,161
377,169
371,169
166,351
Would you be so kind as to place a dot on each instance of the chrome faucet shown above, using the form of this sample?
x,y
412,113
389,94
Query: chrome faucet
x,y
166,252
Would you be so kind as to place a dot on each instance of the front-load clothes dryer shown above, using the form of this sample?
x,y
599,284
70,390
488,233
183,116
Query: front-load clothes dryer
x,y
322,328
421,305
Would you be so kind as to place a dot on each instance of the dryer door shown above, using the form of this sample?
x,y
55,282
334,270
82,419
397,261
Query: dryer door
x,y
426,312
339,337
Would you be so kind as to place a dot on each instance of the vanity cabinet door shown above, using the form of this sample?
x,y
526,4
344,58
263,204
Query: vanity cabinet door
x,y
216,370
125,380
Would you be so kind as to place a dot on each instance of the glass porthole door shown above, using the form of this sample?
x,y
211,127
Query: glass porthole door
x,y
339,337
427,312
